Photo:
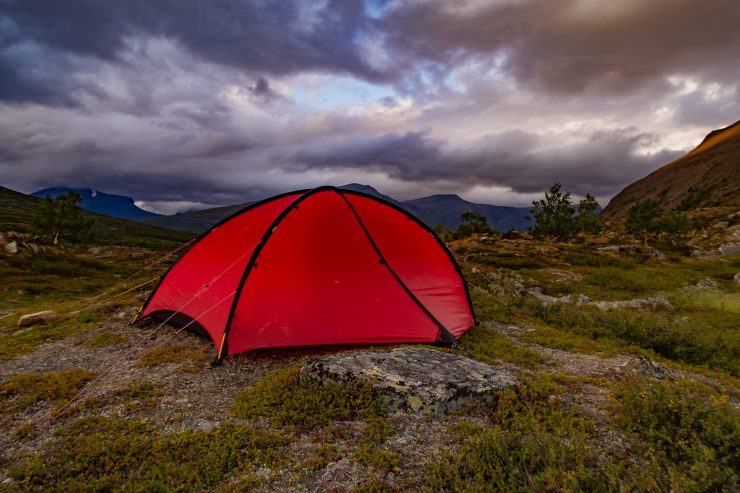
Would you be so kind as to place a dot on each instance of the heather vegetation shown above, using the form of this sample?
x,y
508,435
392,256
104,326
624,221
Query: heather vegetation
x,y
611,397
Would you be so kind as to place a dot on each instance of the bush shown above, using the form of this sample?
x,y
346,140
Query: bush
x,y
691,437
286,401
101,454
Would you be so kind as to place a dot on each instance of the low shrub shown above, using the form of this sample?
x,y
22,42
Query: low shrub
x,y
101,454
285,400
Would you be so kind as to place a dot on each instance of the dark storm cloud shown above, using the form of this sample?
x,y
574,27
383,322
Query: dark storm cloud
x,y
600,165
231,100
275,38
569,46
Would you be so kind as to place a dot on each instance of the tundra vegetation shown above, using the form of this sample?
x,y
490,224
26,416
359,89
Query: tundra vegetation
x,y
629,398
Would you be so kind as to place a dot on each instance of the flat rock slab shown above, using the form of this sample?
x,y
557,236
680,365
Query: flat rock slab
x,y
415,379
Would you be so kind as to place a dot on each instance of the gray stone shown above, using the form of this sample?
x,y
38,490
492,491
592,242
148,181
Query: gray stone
x,y
200,424
11,247
729,248
653,302
706,283
654,369
736,278
38,318
32,246
414,379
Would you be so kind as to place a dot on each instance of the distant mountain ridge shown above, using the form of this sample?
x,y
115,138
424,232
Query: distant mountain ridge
x,y
433,211
103,203
708,176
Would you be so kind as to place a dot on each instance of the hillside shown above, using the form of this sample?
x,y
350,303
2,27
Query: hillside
x,y
708,176
15,210
433,210
16,214
197,221
103,203
627,379
446,209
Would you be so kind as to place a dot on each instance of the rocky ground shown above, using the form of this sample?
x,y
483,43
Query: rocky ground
x,y
535,369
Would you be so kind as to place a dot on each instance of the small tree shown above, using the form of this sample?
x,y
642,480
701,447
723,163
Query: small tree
x,y
61,218
553,215
643,219
588,220
674,226
471,223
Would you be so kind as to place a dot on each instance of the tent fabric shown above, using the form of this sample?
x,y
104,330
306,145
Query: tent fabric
x,y
317,267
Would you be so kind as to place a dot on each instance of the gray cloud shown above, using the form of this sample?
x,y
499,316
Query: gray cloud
x,y
275,38
600,165
186,101
569,46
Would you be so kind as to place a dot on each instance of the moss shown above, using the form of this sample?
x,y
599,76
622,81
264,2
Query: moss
x,y
175,353
23,390
100,454
105,339
285,400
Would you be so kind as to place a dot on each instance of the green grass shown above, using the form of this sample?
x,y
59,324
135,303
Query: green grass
x,y
285,400
101,454
695,339
20,342
175,353
105,339
568,341
23,390
491,347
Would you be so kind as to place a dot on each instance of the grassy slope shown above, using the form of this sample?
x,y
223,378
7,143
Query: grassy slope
x,y
545,435
708,176
16,214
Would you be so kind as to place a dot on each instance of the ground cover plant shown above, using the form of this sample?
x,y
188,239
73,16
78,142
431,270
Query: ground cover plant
x,y
588,414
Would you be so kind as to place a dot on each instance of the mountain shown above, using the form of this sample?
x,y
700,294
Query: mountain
x,y
368,190
433,210
707,176
195,221
16,214
102,203
446,209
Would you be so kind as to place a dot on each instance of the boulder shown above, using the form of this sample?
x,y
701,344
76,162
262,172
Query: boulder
x,y
706,283
414,379
729,248
38,318
32,246
11,247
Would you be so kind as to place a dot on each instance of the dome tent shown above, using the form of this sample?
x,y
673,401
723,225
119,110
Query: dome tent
x,y
316,267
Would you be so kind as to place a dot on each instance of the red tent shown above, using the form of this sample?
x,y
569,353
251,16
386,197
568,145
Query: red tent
x,y
306,268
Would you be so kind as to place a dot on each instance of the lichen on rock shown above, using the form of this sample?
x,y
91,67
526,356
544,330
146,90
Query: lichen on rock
x,y
415,379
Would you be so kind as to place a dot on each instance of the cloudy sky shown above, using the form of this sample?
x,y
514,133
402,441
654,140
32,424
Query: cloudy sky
x,y
184,103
